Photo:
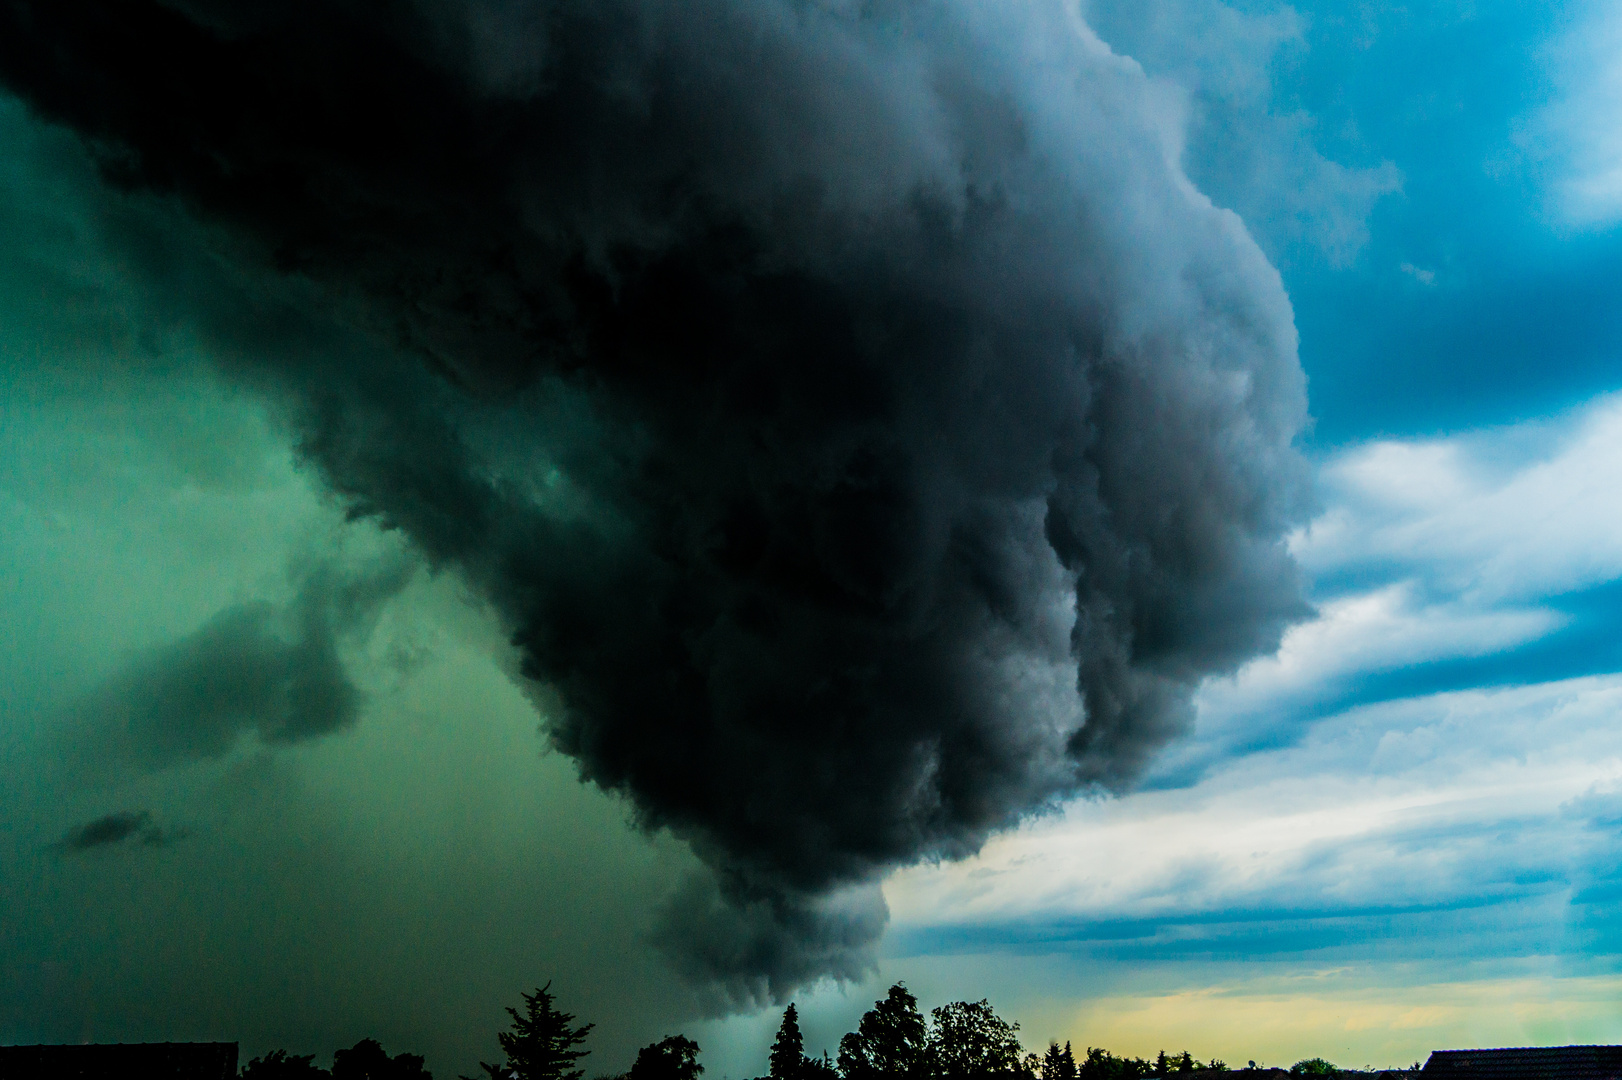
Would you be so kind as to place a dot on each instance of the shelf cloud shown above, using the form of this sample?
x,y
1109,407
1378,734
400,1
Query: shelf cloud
x,y
868,434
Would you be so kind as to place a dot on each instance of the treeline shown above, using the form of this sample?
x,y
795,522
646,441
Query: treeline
x,y
964,1040
366,1060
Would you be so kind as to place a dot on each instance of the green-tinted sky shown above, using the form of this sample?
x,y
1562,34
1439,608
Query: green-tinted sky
x,y
404,876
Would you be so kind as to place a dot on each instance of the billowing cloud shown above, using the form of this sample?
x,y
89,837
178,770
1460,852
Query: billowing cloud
x,y
768,945
867,432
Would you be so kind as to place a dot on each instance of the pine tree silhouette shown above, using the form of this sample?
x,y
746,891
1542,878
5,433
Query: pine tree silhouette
x,y
1059,1063
541,1044
788,1051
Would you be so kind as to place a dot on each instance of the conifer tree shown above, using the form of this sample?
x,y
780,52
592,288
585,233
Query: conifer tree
x,y
541,1044
788,1050
1058,1063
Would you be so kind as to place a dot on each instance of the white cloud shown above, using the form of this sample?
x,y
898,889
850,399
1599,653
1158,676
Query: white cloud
x,y
1579,134
1388,628
1438,800
1450,512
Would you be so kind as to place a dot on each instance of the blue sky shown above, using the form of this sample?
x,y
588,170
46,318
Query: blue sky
x,y
1436,182
1399,834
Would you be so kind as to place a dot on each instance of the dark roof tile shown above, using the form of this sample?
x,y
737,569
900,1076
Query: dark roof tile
x,y
1528,1063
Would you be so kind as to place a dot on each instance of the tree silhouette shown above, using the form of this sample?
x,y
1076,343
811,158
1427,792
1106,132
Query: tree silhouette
x,y
818,1068
889,1042
1100,1064
367,1060
1058,1063
674,1057
541,1044
788,1049
280,1065
969,1041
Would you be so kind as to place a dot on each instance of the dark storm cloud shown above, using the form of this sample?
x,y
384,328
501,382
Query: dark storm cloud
x,y
749,947
866,430
258,667
114,829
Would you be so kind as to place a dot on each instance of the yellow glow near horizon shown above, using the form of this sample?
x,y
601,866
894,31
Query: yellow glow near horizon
x,y
1278,1023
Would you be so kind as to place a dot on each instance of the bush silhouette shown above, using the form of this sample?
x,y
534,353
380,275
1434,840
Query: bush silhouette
x,y
672,1058
367,1060
280,1065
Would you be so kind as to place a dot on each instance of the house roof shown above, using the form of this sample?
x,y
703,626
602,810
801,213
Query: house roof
x,y
123,1061
1528,1063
